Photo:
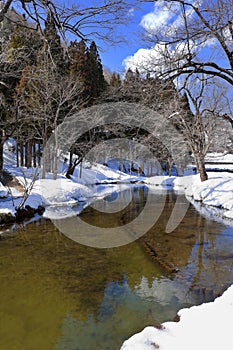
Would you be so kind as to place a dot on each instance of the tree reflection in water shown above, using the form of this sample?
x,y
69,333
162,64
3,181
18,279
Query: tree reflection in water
x,y
58,294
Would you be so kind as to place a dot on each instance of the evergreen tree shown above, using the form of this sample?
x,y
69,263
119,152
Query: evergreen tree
x,y
132,86
131,77
98,83
79,68
115,80
53,46
19,47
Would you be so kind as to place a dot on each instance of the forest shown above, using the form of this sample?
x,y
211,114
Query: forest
x,y
44,80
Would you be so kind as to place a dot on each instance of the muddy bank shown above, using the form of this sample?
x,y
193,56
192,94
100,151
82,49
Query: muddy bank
x,y
20,215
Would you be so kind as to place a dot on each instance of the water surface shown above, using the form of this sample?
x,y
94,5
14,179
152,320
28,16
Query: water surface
x,y
57,294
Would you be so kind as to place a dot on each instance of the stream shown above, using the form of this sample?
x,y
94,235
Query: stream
x,y
57,294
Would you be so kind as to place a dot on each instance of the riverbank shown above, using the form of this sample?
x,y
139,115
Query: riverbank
x,y
61,196
66,197
215,194
207,326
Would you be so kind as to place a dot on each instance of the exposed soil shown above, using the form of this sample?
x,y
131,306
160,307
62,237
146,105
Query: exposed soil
x,y
9,180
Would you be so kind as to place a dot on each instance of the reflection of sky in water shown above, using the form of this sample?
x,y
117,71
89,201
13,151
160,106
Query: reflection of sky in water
x,y
112,197
129,306
106,197
100,308
121,308
211,260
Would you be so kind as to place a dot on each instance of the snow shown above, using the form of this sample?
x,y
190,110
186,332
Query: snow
x,y
216,192
207,326
62,197
3,191
97,174
7,211
219,157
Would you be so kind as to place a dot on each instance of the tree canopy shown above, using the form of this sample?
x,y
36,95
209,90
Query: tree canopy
x,y
197,38
84,20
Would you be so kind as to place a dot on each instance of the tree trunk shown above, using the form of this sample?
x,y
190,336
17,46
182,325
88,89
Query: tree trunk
x,y
44,158
81,169
200,164
29,154
72,166
70,170
2,140
26,154
17,154
39,155
55,156
171,163
34,153
21,154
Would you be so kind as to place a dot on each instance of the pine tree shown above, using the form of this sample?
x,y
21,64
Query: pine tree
x,y
53,46
115,80
79,68
98,83
132,86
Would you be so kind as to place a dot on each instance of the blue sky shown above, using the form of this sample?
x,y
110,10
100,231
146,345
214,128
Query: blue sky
x,y
113,55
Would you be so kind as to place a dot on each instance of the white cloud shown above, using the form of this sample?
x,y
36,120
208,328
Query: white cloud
x,y
158,58
166,16
143,59
157,19
167,19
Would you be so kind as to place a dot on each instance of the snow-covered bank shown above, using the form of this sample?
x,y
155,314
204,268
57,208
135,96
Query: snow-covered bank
x,y
62,197
207,326
215,193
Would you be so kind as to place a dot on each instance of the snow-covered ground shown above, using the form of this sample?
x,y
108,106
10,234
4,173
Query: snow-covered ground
x,y
207,326
62,197
204,327
215,193
3,191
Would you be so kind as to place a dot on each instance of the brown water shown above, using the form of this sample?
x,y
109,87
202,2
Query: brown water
x,y
57,294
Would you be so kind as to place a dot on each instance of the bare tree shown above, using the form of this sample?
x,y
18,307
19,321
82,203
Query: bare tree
x,y
198,123
75,17
194,28
194,48
43,100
